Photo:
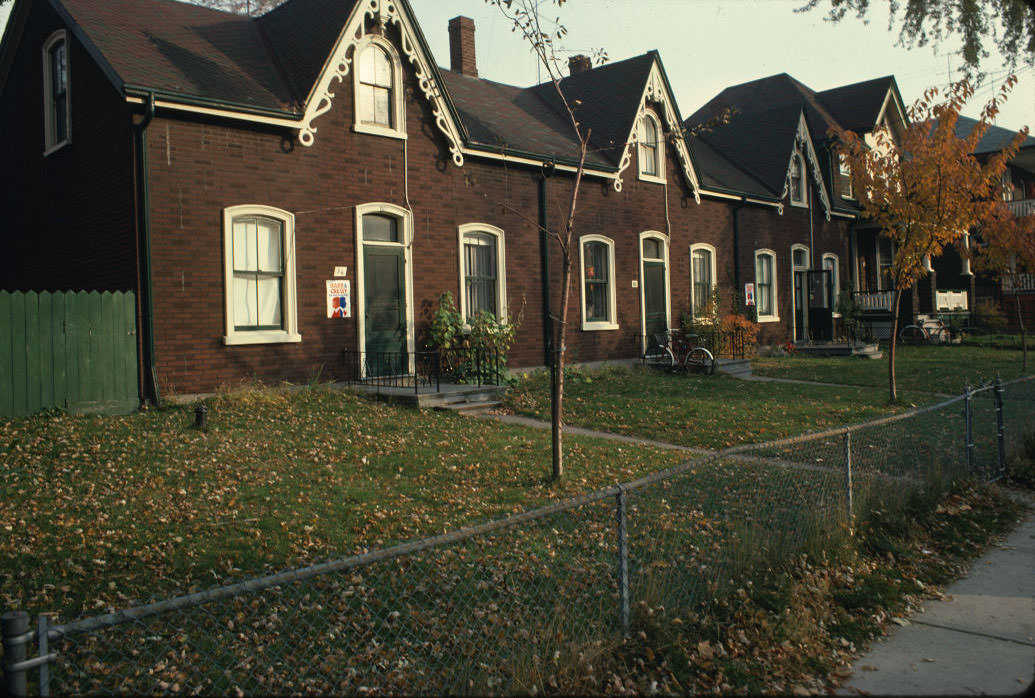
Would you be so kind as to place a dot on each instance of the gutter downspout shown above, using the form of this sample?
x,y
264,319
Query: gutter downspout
x,y
150,382
544,264
736,244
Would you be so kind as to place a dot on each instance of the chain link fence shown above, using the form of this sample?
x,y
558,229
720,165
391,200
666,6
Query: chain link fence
x,y
504,606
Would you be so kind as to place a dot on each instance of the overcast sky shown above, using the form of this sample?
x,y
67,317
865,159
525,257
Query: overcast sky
x,y
707,45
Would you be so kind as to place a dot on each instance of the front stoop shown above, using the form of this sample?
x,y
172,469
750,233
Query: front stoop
x,y
448,396
738,368
868,351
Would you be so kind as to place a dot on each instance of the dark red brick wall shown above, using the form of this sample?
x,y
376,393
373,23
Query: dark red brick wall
x,y
68,221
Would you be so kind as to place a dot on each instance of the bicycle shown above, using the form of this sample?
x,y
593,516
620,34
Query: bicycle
x,y
672,351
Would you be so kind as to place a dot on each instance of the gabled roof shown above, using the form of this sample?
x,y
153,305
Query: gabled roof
x,y
286,66
747,151
857,106
180,49
995,139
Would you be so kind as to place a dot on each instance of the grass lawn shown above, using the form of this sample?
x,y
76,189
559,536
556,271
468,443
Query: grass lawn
x,y
933,369
705,411
102,511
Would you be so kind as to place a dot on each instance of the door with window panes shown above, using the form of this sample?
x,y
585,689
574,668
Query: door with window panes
x,y
384,297
655,290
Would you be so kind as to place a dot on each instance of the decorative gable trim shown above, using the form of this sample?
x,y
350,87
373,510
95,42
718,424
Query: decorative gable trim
x,y
337,67
656,91
803,145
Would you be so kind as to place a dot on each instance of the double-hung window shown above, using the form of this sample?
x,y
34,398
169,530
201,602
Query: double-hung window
x,y
844,171
598,283
797,181
378,91
482,271
649,148
260,275
765,285
56,107
702,271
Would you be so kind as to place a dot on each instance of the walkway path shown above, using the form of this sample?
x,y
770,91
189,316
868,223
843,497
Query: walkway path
x,y
978,640
568,429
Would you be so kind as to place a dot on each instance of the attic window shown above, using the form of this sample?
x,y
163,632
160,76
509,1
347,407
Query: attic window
x,y
379,100
56,106
844,176
651,154
797,176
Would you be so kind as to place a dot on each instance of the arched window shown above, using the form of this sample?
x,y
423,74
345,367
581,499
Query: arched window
x,y
598,283
651,154
56,107
483,283
797,185
765,285
380,108
259,259
702,281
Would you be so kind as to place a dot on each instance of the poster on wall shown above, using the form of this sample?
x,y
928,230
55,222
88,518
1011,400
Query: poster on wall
x,y
339,298
749,294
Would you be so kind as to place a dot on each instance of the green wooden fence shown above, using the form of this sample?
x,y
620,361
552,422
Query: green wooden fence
x,y
74,350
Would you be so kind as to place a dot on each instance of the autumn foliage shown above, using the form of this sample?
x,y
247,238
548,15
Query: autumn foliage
x,y
925,189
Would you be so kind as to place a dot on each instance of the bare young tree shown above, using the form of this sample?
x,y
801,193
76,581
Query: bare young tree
x,y
542,35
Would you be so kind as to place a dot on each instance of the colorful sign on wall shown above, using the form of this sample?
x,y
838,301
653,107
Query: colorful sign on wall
x,y
339,298
749,294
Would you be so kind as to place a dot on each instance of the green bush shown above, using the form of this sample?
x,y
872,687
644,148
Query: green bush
x,y
469,349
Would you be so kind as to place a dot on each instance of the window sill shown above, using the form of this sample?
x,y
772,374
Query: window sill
x,y
769,318
651,178
799,204
56,147
373,130
595,326
262,337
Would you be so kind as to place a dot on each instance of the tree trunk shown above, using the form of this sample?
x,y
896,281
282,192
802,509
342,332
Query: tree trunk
x,y
558,364
894,342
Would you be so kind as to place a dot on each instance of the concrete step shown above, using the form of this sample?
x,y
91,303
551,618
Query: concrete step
x,y
471,408
738,368
459,397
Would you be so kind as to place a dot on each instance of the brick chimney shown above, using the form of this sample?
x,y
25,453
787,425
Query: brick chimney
x,y
579,64
461,46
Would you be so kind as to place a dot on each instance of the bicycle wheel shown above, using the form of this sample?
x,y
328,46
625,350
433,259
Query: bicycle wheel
x,y
659,357
701,360
913,334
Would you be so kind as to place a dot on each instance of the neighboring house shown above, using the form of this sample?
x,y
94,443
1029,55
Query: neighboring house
x,y
280,190
951,286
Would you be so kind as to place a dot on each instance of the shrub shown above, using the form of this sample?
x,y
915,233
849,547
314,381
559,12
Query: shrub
x,y
466,347
988,315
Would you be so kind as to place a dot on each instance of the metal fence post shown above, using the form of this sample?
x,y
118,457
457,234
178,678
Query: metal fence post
x,y
44,628
14,625
968,427
848,483
623,561
1000,424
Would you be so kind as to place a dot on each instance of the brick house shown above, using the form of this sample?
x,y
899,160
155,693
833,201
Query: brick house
x,y
228,168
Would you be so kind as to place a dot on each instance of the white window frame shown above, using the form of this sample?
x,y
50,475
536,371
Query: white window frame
x,y
844,171
405,221
835,277
775,315
612,323
50,141
501,265
659,148
693,296
663,239
398,128
289,298
797,161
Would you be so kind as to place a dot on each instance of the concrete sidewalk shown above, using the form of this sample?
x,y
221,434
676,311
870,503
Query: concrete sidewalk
x,y
978,640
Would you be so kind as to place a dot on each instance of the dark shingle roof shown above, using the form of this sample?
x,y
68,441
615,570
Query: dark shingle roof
x,y
995,139
857,106
185,50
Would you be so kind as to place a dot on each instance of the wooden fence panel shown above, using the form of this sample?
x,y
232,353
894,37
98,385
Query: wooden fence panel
x,y
74,350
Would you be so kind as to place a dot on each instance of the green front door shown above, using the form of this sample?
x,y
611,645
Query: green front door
x,y
384,304
655,310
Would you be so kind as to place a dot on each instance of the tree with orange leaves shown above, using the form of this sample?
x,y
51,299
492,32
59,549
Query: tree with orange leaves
x,y
1006,250
926,190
